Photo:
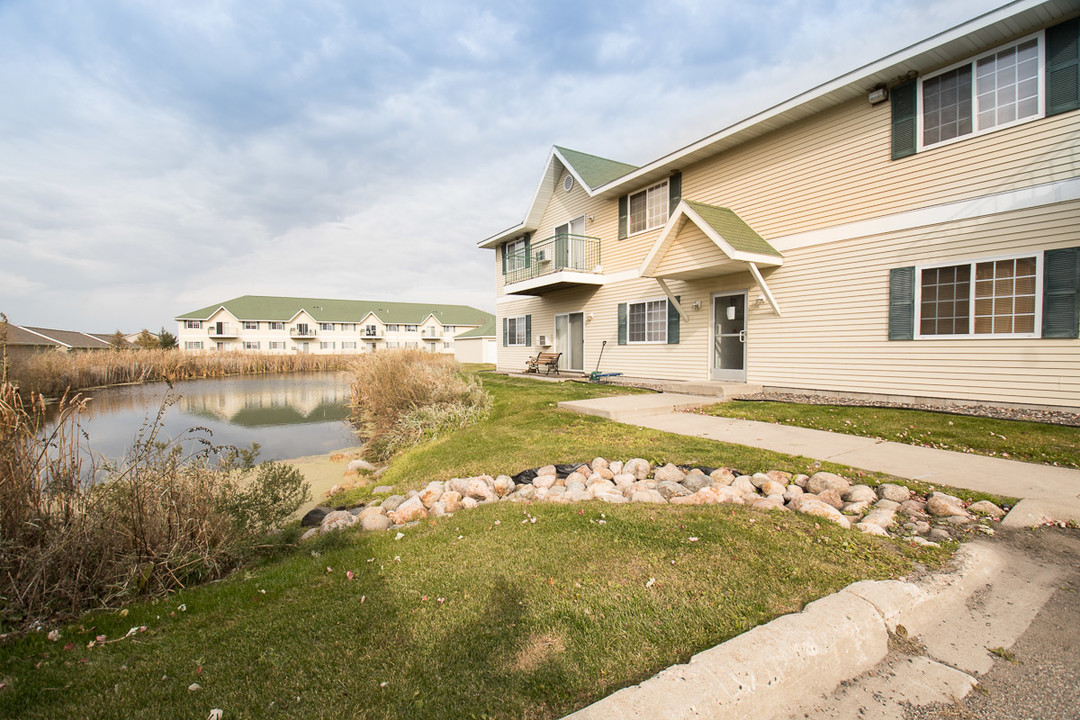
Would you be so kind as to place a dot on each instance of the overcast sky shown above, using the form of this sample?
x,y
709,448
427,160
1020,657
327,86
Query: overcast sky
x,y
159,157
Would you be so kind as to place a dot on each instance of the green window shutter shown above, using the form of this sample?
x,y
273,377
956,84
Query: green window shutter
x,y
506,331
902,303
528,250
624,215
528,330
674,192
562,247
673,322
903,119
1063,67
503,251
622,323
1061,289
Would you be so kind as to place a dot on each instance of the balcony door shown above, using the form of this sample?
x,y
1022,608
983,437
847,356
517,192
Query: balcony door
x,y
570,250
570,341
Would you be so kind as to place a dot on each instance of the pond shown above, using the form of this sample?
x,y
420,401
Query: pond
x,y
289,416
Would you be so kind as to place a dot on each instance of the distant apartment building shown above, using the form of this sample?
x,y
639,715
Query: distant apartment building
x,y
269,324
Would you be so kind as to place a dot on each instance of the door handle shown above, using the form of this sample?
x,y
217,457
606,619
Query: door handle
x,y
742,336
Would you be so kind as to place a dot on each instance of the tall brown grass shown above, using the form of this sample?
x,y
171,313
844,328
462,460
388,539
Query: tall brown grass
x,y
53,373
75,536
402,397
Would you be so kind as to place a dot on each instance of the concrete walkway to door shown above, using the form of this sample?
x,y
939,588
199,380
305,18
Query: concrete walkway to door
x,y
1054,491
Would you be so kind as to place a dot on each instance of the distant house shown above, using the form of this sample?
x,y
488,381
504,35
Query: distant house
x,y
25,340
909,229
325,326
21,344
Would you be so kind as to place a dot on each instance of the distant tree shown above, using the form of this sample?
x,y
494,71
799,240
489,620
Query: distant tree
x,y
146,341
166,340
117,340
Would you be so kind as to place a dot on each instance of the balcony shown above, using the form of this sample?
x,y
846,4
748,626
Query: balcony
x,y
431,333
371,332
222,330
302,331
561,261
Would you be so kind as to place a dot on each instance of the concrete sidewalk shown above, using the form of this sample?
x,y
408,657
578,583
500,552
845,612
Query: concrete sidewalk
x,y
1058,487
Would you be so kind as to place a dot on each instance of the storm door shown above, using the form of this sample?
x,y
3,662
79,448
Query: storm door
x,y
729,337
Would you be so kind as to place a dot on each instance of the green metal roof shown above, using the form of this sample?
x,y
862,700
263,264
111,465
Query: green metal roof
x,y
732,228
283,309
485,330
595,171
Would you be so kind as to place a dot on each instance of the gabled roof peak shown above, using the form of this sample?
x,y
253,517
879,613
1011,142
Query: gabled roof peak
x,y
592,170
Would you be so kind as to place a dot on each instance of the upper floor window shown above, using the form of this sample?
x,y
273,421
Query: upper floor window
x,y
391,328
450,329
649,208
997,89
326,326
410,328
515,255
277,326
193,324
249,325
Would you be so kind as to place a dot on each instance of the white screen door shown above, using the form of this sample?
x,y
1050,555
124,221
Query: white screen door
x,y
729,337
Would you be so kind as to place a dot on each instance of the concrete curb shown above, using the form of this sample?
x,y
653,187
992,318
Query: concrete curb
x,y
768,671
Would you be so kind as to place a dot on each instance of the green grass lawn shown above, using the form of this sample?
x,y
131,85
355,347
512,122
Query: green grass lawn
x,y
483,615
1011,439
486,614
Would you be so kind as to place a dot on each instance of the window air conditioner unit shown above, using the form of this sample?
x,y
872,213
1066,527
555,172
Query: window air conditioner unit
x,y
544,341
541,255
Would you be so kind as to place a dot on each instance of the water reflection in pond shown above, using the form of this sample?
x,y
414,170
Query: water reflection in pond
x,y
288,415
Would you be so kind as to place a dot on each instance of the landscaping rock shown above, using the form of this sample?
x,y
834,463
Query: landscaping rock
x,y
458,485
310,533
647,496
411,509
826,481
623,480
891,491
871,529
599,464
612,498
744,485
314,517
884,519
913,508
637,467
769,503
817,508
451,500
855,508
672,489
371,510
919,527
547,470
985,507
391,503
801,480
940,535
696,481
376,522
860,493
382,489
524,492
784,478
504,485
772,487
544,481
759,479
921,541
959,520
942,505
575,487
577,477
360,466
479,490
337,520
431,494
724,476
832,497
602,486
615,467
791,492
468,503
704,496
669,474
884,504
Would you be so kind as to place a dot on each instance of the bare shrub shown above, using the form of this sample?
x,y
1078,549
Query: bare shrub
x,y
402,397
74,536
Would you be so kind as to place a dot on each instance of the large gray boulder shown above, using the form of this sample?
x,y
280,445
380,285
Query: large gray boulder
x,y
826,481
860,493
669,473
672,489
637,467
891,491
376,522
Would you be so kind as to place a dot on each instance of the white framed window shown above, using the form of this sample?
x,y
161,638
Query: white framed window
x,y
326,326
997,89
193,324
277,344
987,297
446,346
251,344
277,326
449,329
348,345
515,330
249,325
326,345
348,327
193,345
410,328
514,255
393,328
649,208
646,322
411,345
392,345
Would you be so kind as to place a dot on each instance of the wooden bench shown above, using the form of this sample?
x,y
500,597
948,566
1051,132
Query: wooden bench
x,y
548,360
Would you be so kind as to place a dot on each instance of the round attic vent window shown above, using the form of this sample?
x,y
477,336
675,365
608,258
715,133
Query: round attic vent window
x,y
568,182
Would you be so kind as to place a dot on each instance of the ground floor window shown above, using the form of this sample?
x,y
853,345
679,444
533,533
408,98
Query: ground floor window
x,y
348,346
515,330
326,345
251,345
277,344
988,297
647,321
193,345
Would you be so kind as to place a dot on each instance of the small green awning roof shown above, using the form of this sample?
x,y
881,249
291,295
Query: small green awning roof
x,y
733,228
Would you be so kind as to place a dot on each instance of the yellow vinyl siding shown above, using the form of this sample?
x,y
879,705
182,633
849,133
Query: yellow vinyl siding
x,y
691,249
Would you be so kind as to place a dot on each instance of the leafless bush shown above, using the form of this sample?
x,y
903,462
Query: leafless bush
x,y
74,536
402,397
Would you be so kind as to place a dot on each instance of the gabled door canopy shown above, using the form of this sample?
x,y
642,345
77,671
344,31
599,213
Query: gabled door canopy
x,y
734,247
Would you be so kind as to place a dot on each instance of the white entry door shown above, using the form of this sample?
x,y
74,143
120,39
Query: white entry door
x,y
570,340
729,337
